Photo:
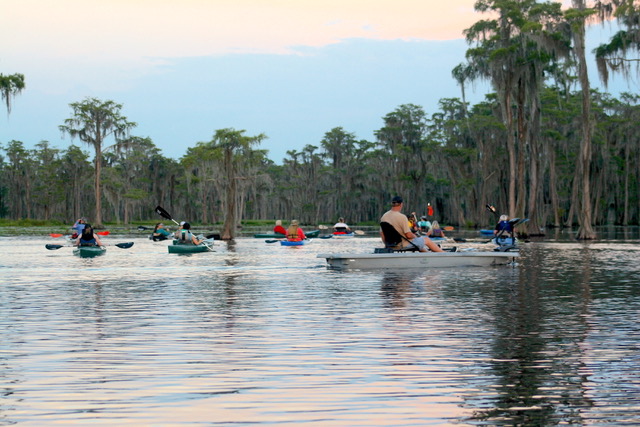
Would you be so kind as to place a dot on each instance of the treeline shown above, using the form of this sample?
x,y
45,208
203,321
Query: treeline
x,y
455,159
544,145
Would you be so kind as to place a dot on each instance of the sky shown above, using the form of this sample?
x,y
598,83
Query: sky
x,y
182,69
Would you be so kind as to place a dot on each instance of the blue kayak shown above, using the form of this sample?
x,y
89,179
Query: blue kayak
x,y
294,242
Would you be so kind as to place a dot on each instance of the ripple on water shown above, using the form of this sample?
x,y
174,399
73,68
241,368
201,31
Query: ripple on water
x,y
258,333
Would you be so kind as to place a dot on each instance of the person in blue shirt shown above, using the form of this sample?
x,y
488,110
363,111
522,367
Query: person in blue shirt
x,y
78,227
424,224
504,227
160,232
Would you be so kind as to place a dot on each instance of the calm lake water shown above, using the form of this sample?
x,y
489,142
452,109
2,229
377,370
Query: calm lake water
x,y
256,333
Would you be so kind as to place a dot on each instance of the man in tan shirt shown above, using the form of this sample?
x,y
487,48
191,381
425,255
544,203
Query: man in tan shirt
x,y
400,222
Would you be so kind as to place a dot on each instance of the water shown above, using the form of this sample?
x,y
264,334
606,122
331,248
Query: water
x,y
255,333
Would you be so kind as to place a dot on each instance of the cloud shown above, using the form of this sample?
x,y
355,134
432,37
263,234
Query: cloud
x,y
186,28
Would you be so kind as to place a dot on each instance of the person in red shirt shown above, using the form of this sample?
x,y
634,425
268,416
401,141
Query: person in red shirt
x,y
279,228
295,233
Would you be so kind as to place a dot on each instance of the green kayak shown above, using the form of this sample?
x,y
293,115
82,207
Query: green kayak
x,y
180,248
310,234
89,251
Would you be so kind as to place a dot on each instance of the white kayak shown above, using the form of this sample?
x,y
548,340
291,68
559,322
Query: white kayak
x,y
406,260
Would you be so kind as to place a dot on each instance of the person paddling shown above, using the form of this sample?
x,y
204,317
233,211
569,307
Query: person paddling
x,y
88,238
341,227
279,228
186,237
504,226
435,230
160,232
295,233
78,227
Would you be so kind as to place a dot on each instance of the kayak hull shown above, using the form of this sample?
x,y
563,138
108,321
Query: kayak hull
x,y
89,251
505,240
343,235
413,260
294,243
187,249
314,233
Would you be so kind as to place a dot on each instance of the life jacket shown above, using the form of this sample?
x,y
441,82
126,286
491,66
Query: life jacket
x,y
504,226
90,242
293,237
186,238
436,233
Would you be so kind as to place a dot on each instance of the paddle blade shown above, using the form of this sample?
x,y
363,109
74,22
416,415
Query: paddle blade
x,y
56,235
124,245
271,241
142,228
164,214
448,228
359,232
102,233
53,247
326,237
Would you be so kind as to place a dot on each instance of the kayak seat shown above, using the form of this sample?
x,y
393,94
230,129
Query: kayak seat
x,y
392,239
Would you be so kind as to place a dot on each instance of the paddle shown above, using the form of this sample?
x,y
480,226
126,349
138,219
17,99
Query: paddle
x,y
327,237
493,210
125,245
164,214
271,241
102,233
143,228
56,235
54,247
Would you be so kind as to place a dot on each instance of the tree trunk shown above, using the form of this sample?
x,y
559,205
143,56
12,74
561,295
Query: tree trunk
x,y
97,220
585,229
228,231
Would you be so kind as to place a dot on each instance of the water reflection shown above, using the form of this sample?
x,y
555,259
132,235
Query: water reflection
x,y
254,333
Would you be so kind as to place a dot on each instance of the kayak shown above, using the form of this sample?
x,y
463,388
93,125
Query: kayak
x,y
314,233
294,242
187,249
339,235
181,248
505,240
412,260
486,232
89,251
